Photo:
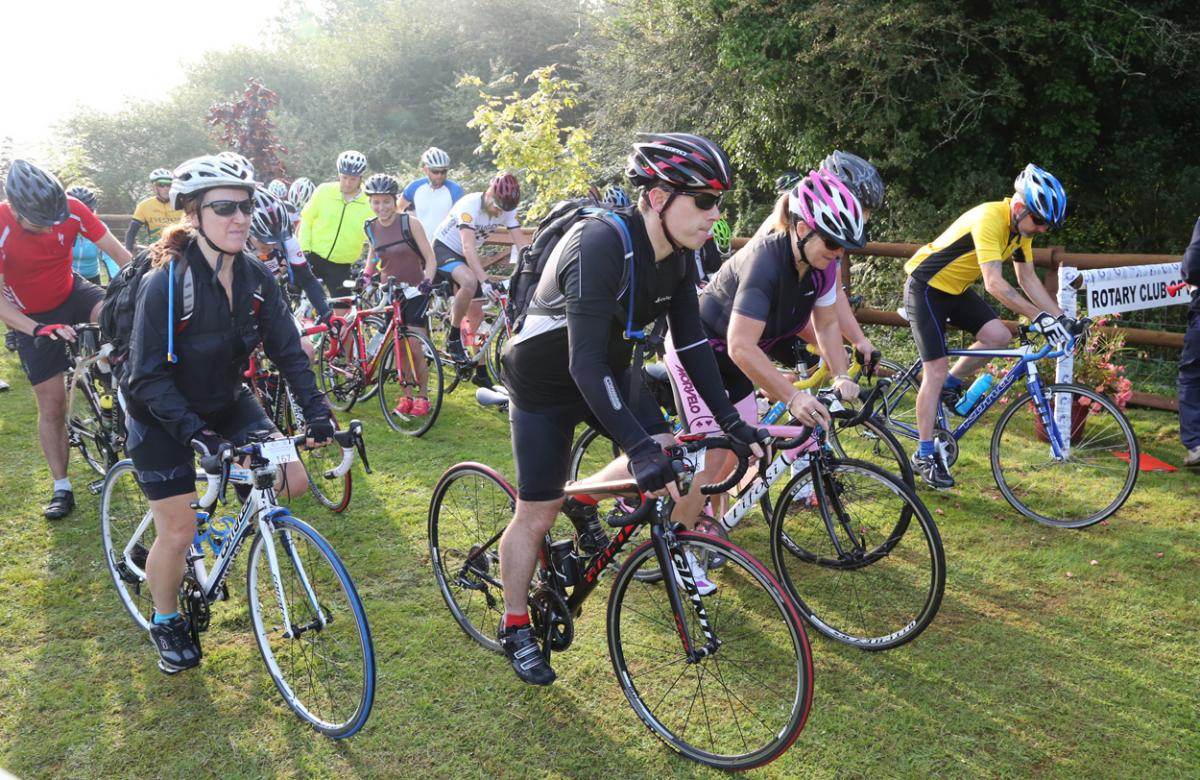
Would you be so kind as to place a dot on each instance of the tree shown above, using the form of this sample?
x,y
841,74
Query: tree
x,y
249,130
524,135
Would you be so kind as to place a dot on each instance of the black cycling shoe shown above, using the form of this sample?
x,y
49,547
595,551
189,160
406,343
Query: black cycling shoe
x,y
950,398
61,504
522,651
590,536
933,471
481,378
454,348
177,650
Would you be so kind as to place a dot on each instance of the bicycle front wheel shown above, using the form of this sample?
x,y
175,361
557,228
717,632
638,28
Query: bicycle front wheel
x,y
321,657
876,580
417,351
85,427
127,534
743,703
1089,483
470,508
898,406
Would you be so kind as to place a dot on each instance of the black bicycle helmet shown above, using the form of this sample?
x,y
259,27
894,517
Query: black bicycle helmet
x,y
859,175
272,222
382,184
678,160
84,196
36,194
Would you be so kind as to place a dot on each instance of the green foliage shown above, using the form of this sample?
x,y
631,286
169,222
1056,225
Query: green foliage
x,y
524,135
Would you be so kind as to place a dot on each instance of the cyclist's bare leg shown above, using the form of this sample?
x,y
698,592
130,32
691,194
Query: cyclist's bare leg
x,y
51,397
174,529
519,547
933,376
993,335
618,469
466,284
718,464
475,315
414,361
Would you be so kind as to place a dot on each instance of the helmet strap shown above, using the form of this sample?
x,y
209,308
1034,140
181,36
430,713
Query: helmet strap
x,y
662,218
800,242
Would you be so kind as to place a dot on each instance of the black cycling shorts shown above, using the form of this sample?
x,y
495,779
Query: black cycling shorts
x,y
542,441
413,310
166,468
929,309
332,274
447,262
50,359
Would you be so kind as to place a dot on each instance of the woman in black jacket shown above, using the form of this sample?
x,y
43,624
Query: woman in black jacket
x,y
183,383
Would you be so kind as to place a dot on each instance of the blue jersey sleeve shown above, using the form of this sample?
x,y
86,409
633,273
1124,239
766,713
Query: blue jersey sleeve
x,y
411,190
456,192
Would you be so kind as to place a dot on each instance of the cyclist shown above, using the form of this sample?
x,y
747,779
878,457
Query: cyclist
x,y
85,257
431,196
184,385
278,188
571,362
331,224
154,213
615,197
1188,381
399,247
456,246
273,241
43,297
938,290
767,294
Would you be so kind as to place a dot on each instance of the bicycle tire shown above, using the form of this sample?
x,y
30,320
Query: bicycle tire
x,y
469,510
372,326
871,440
85,428
1021,460
333,493
885,588
496,349
338,377
389,389
329,638
764,654
897,408
123,507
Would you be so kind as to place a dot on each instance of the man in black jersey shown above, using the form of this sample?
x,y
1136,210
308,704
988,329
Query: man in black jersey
x,y
571,360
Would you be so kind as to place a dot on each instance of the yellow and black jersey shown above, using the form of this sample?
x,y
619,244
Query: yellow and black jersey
x,y
985,234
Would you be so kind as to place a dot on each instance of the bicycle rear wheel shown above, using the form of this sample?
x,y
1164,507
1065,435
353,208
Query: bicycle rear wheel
x,y
127,533
470,508
321,658
871,441
85,427
390,390
1087,486
331,492
882,583
744,703
339,377
898,406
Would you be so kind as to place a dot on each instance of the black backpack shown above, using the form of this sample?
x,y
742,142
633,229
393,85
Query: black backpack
x,y
532,261
120,300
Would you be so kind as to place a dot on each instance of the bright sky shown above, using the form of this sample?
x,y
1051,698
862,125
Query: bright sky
x,y
59,56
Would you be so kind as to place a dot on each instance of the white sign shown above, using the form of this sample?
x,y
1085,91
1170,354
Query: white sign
x,y
1113,290
279,451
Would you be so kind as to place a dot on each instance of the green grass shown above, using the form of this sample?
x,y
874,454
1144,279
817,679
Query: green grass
x,y
1026,672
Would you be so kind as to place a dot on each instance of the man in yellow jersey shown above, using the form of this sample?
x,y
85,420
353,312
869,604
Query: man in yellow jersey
x,y
153,213
940,276
331,224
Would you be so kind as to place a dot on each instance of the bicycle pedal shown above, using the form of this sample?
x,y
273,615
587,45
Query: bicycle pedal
x,y
95,486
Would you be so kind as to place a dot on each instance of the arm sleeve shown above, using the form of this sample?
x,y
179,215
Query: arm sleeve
x,y
1191,258
151,382
590,282
282,344
131,233
692,347
304,278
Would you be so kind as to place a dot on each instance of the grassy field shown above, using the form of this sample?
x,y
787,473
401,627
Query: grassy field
x,y
1069,654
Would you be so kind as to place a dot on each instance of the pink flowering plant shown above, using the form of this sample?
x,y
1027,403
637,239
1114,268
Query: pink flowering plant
x,y
1099,365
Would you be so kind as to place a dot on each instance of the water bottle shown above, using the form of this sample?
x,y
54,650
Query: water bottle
x,y
774,413
467,334
979,388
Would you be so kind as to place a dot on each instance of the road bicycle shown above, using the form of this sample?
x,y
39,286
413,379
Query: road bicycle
x,y
1062,454
395,360
483,347
305,614
95,424
724,678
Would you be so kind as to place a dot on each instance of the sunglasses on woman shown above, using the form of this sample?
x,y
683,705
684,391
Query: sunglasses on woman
x,y
225,208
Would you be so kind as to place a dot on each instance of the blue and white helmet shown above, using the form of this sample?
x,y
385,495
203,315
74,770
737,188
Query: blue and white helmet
x,y
615,197
352,163
278,188
1043,195
301,190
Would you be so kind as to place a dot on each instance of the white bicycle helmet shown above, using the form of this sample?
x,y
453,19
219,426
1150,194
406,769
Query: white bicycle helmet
x,y
278,189
272,221
435,158
239,159
352,163
204,173
301,191
160,174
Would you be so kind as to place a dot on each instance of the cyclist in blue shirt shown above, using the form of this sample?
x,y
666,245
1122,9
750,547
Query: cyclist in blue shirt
x,y
85,256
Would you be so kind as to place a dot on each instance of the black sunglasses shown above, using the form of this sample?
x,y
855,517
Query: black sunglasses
x,y
437,170
1037,220
225,208
704,200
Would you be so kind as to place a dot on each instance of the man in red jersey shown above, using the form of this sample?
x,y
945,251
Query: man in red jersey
x,y
42,296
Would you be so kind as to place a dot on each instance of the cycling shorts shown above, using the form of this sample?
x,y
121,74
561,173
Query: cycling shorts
x,y
448,261
51,359
166,468
929,309
542,442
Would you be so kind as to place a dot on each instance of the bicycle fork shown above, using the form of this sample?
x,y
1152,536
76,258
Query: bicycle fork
x,y
672,562
266,526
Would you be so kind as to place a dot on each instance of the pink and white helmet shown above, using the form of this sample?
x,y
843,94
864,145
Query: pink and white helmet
x,y
827,206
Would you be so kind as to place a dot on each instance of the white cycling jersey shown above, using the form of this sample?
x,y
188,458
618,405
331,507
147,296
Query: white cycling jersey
x,y
468,212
